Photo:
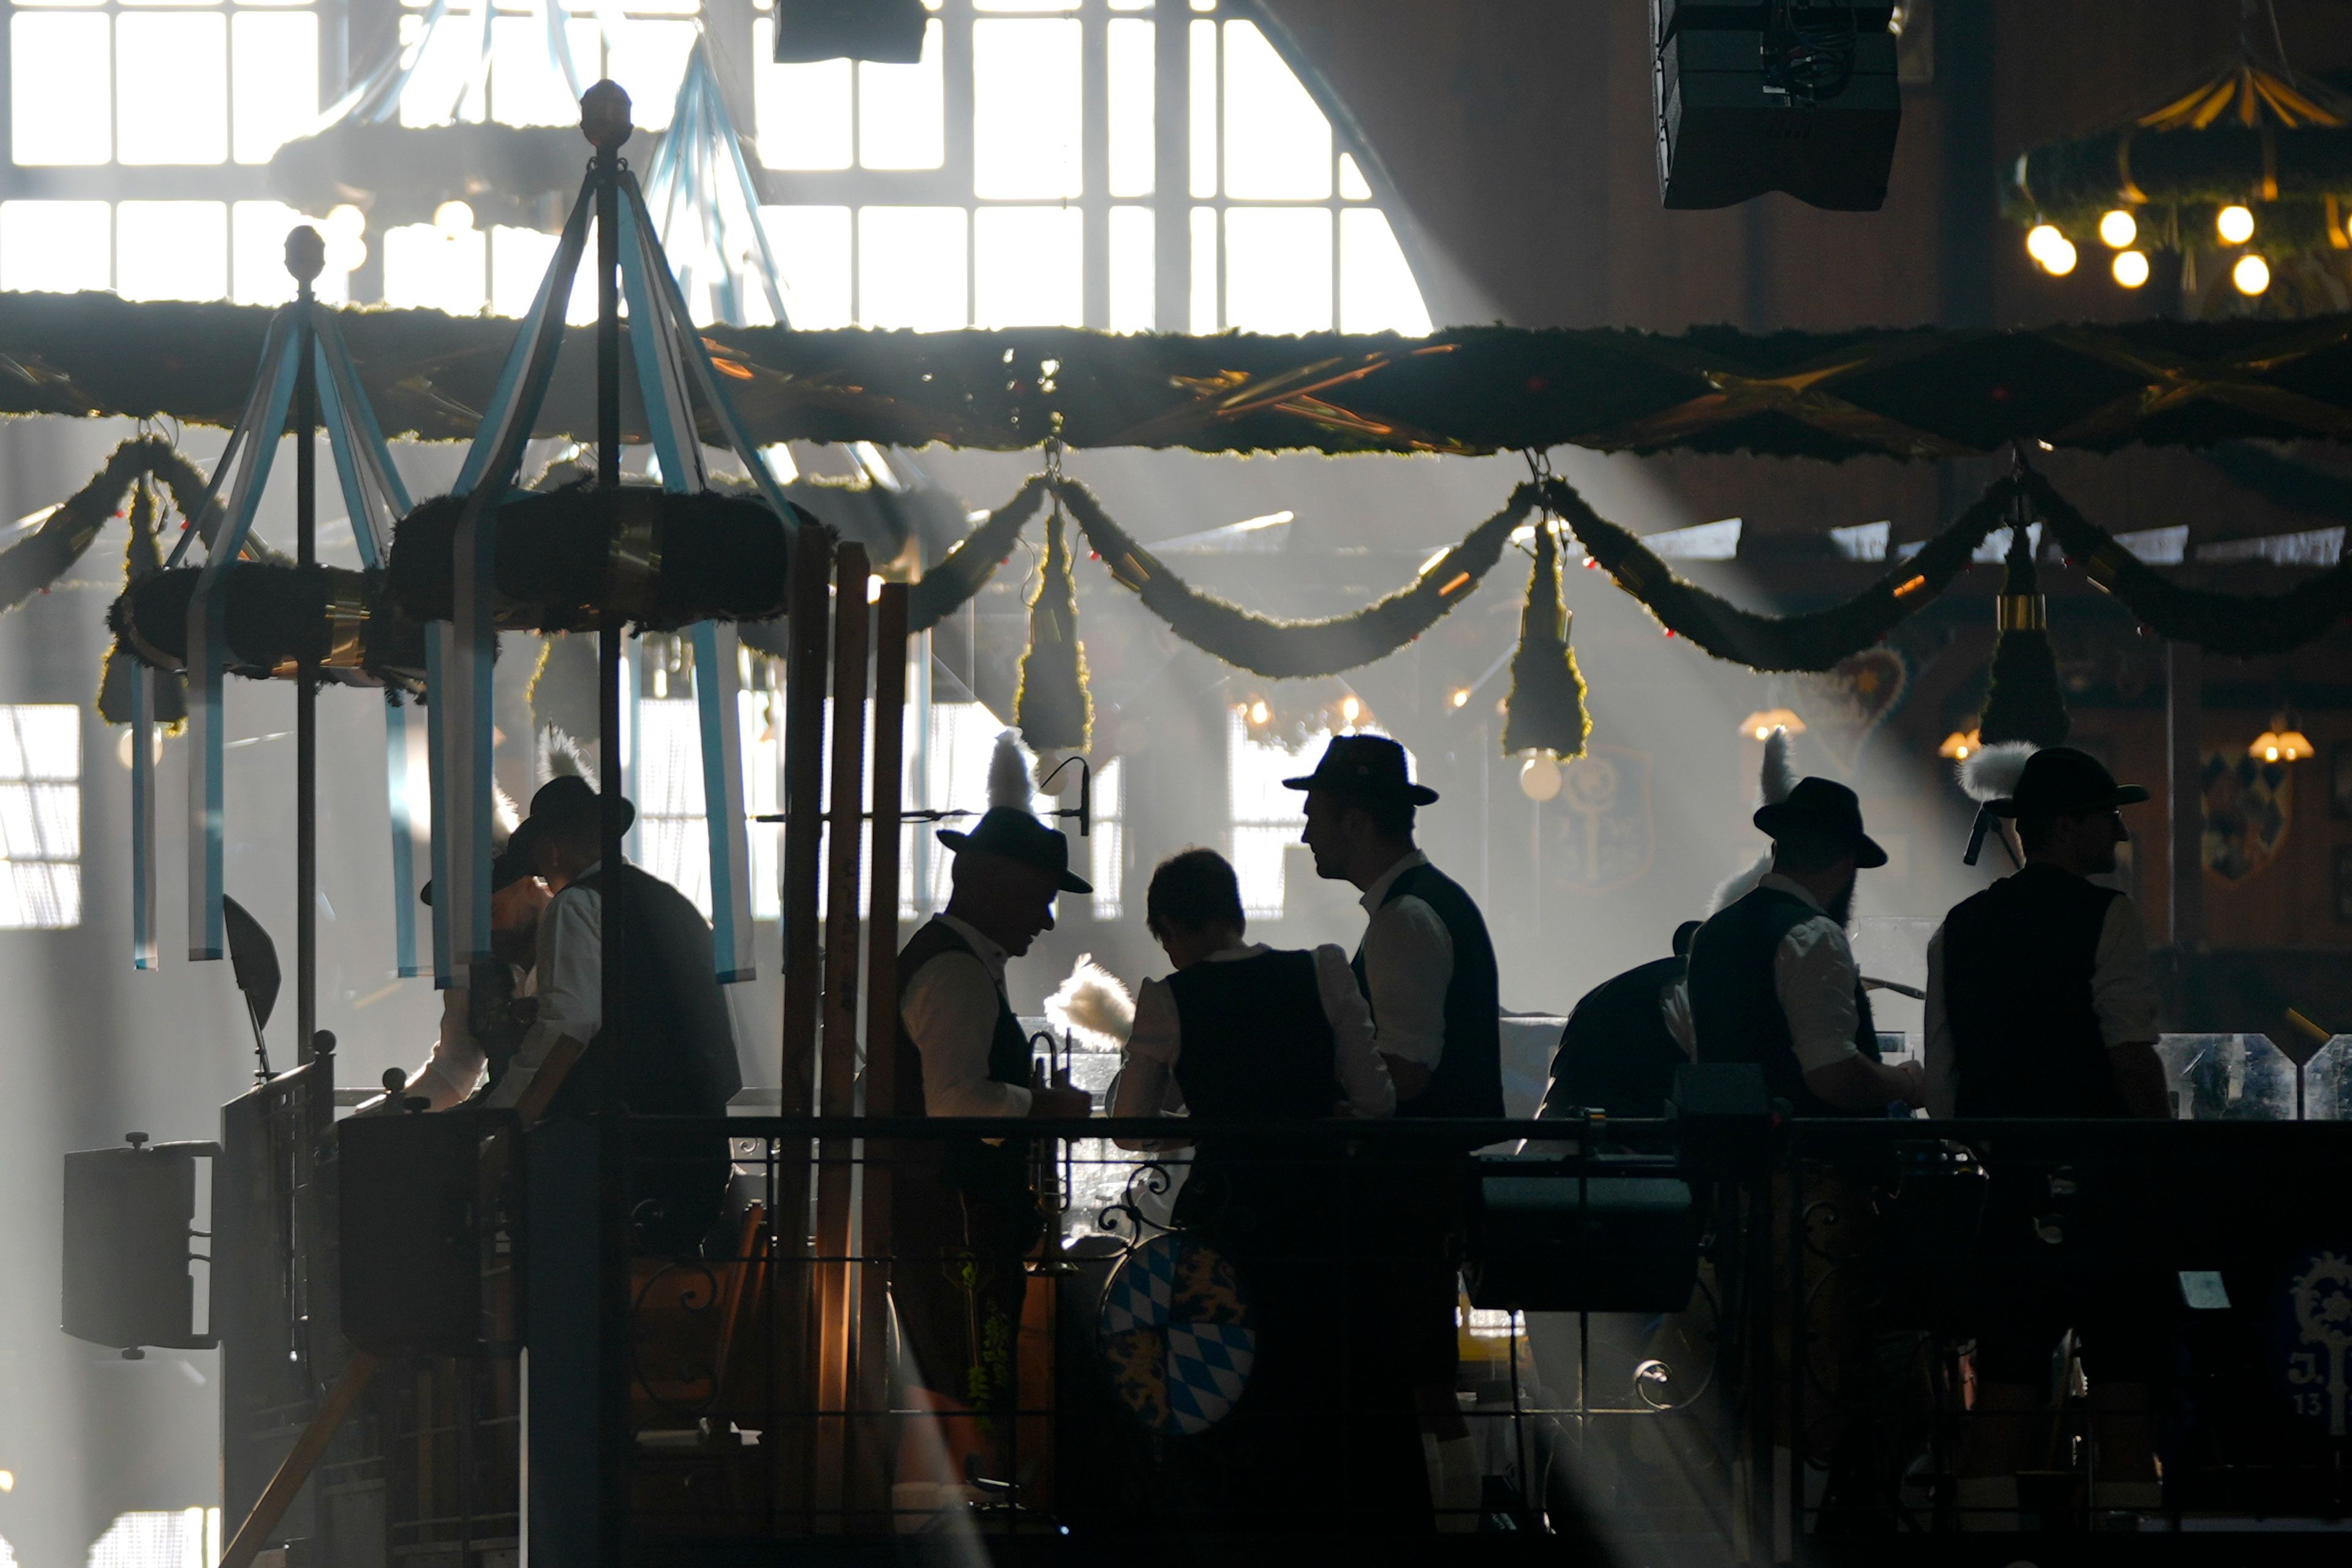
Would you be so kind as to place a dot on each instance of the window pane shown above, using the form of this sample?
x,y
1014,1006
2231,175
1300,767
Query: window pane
x,y
1134,145
910,268
40,740
1026,267
1204,271
1025,115
257,263
518,260
1278,269
55,246
61,111
1108,861
275,59
40,813
1025,5
803,111
40,897
435,269
171,250
1377,293
1352,183
170,89
1204,115
1277,143
650,61
1134,284
527,88
811,250
902,111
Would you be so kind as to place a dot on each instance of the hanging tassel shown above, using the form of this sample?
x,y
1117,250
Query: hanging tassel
x,y
1545,711
142,558
2023,701
1053,708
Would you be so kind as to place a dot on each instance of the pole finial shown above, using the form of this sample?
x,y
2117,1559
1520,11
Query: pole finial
x,y
305,253
605,115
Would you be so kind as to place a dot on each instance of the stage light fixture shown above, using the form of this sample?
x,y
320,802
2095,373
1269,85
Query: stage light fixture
x,y
2252,275
2131,267
2119,228
2235,225
1790,95
888,32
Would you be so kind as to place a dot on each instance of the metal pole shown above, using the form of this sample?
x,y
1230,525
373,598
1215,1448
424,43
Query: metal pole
x,y
871,1453
306,256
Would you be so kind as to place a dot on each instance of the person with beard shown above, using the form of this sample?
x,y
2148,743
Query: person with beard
x,y
1773,979
1427,967
2042,1001
964,1215
482,1021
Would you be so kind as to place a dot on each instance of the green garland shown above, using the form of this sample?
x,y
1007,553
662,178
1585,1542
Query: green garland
x,y
2242,625
1281,649
2183,178
1815,640
272,618
974,560
32,564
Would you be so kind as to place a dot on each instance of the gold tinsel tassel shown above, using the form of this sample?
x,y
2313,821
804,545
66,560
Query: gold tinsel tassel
x,y
1053,708
1545,711
142,558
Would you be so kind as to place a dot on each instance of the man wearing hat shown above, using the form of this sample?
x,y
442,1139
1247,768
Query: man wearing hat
x,y
963,1215
2042,1001
664,1046
1428,969
482,1021
1773,979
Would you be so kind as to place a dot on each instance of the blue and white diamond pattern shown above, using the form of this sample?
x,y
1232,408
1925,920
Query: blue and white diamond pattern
x,y
1209,1349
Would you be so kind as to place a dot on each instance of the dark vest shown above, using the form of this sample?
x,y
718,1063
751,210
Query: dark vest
x,y
1256,1047
1616,1055
2018,962
1468,1080
666,1046
968,1163
1735,1008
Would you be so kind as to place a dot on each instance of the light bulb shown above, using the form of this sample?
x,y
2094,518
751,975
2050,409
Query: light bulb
x,y
2270,753
1761,731
345,221
1461,698
2131,267
1349,709
1539,777
2119,228
2058,257
2252,274
1259,712
2235,225
2038,239
453,217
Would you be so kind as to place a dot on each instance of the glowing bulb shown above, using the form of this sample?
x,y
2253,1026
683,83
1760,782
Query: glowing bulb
x,y
873,589
1761,733
2252,275
2235,225
1349,709
2119,228
345,221
2131,267
7,1480
1539,777
1259,712
2038,239
453,217
2058,257
1461,698
2270,753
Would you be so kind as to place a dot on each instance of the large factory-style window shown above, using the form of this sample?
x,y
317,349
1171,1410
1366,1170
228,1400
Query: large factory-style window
x,y
41,816
1112,163
1266,818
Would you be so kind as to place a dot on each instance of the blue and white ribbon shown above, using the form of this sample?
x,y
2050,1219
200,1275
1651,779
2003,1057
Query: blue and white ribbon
x,y
143,950
716,681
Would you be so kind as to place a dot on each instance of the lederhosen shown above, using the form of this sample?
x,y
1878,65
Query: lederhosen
x,y
964,1215
1426,1187
2019,959
1321,1440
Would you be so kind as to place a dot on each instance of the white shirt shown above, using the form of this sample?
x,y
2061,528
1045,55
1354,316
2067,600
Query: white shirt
x,y
1408,964
455,1067
950,1008
569,975
1147,1083
1814,975
2123,994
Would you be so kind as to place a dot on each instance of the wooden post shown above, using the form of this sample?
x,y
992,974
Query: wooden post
x,y
837,1082
812,571
871,1446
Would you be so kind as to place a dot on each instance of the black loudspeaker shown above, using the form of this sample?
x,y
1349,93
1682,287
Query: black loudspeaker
x,y
1789,95
130,1214
1725,1115
1545,1239
414,1216
888,31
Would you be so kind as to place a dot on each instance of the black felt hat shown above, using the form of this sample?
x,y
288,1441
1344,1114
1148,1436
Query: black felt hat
x,y
507,869
1009,831
1369,767
2059,781
1825,809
